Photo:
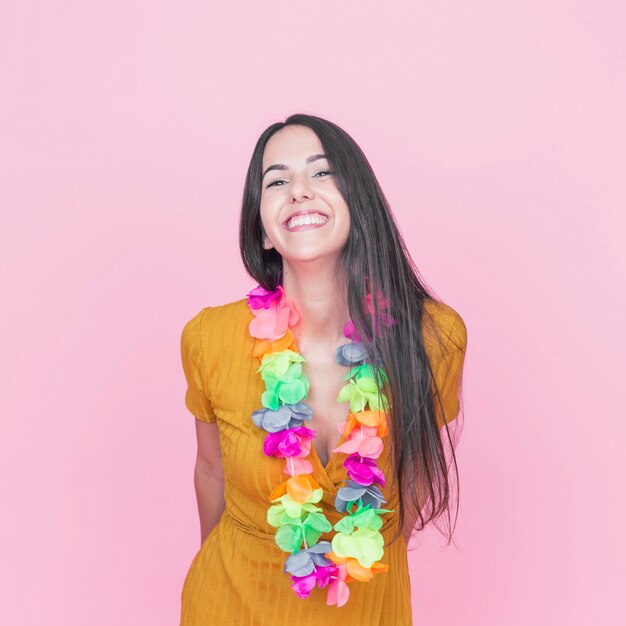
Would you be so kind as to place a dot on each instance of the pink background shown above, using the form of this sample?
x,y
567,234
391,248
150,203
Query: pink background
x,y
497,131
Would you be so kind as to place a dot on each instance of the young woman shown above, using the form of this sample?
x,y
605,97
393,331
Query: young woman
x,y
322,399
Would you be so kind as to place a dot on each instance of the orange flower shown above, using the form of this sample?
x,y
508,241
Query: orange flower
x,y
355,570
299,487
367,418
263,346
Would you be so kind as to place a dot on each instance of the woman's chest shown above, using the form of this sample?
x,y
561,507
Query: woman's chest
x,y
236,388
325,377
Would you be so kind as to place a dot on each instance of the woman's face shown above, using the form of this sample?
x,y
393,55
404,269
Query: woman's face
x,y
292,185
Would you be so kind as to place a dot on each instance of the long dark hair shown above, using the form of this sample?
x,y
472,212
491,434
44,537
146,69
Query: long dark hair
x,y
374,260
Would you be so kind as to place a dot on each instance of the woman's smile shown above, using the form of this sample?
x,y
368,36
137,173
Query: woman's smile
x,y
306,222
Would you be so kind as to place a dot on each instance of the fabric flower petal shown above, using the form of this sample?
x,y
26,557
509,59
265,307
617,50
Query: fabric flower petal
x,y
295,465
338,593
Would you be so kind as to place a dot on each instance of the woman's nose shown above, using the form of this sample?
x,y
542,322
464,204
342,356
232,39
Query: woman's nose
x,y
300,188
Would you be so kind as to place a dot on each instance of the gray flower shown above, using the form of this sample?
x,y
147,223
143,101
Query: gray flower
x,y
368,494
303,562
350,353
301,412
354,353
286,416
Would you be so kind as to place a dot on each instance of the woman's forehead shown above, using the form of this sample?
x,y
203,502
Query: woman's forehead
x,y
292,144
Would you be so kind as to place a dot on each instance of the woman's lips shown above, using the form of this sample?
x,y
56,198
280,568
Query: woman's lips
x,y
305,226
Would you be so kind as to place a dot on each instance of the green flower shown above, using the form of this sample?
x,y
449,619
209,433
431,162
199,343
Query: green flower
x,y
362,392
367,371
363,388
288,510
289,537
283,376
365,544
364,517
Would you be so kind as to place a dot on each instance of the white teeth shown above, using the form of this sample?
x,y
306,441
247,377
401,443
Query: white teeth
x,y
311,218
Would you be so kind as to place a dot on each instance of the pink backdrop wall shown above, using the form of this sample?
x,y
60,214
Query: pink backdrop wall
x,y
497,131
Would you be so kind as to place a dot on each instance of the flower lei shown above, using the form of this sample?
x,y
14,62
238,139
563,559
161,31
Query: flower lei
x,y
357,546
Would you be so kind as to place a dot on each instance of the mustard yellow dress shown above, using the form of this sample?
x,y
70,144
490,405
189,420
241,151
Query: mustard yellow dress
x,y
237,575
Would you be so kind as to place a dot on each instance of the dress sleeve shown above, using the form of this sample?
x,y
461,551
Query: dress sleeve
x,y
448,373
196,397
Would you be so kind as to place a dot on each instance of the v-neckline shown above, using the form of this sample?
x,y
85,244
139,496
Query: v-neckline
x,y
313,454
331,458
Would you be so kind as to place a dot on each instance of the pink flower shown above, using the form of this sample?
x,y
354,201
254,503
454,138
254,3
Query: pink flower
x,y
303,586
363,470
274,312
350,331
378,323
338,592
320,576
363,440
289,442
295,465
382,301
261,298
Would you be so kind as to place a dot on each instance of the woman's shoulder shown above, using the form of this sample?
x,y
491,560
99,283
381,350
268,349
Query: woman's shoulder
x,y
228,309
442,323
220,323
216,313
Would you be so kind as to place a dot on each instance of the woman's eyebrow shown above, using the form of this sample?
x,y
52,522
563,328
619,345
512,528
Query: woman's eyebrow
x,y
282,166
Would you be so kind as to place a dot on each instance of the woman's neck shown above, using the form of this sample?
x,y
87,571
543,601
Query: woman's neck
x,y
321,302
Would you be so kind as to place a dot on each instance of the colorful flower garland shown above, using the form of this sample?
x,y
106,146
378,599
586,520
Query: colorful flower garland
x,y
357,546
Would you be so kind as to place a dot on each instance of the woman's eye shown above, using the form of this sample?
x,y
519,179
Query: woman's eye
x,y
275,183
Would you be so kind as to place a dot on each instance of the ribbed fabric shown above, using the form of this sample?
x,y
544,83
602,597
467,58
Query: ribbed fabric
x,y
237,575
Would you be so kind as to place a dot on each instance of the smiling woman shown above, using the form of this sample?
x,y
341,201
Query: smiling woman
x,y
323,398
297,181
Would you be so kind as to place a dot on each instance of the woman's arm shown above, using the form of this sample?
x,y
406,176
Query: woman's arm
x,y
208,477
